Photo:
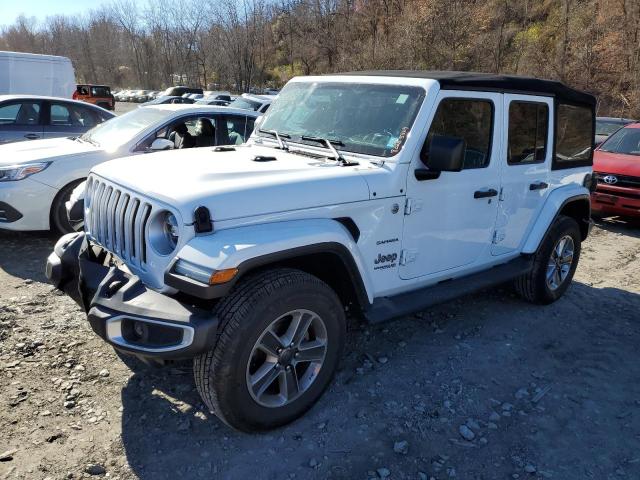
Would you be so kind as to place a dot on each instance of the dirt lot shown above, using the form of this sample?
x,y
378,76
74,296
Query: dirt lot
x,y
539,392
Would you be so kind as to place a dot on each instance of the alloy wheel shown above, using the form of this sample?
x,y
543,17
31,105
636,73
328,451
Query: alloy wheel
x,y
287,358
560,262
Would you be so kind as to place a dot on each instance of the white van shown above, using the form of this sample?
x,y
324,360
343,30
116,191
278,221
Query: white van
x,y
32,74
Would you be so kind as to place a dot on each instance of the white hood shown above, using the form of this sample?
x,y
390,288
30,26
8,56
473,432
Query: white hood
x,y
43,150
233,184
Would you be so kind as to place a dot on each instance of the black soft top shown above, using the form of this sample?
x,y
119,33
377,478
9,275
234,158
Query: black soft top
x,y
491,82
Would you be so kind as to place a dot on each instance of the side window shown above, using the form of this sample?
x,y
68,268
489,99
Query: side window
x,y
60,115
20,113
237,126
66,114
574,136
85,116
470,120
528,129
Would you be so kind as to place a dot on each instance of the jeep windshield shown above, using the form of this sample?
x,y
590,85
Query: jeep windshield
x,y
369,119
119,130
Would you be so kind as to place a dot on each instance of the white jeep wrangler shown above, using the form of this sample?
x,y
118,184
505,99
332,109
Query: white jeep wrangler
x,y
372,193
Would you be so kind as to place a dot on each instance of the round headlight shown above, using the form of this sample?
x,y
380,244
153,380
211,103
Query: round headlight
x,y
164,232
170,229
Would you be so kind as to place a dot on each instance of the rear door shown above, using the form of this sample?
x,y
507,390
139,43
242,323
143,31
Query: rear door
x,y
68,119
525,167
20,120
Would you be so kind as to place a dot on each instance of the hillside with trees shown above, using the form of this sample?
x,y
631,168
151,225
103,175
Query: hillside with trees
x,y
590,44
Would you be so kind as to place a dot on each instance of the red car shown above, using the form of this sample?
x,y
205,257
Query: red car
x,y
616,166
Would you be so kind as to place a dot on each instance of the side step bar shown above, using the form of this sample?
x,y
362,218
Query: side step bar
x,y
386,308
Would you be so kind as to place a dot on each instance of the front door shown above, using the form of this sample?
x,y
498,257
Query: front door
x,y
525,165
450,219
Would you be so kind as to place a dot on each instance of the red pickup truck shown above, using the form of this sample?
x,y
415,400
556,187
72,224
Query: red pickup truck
x,y
616,166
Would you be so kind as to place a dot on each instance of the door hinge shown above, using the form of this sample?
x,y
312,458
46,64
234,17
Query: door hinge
x,y
498,236
411,206
407,256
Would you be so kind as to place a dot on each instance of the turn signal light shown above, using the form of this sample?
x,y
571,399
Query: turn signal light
x,y
222,276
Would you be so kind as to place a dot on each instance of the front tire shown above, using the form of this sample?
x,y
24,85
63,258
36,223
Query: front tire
x,y
59,221
282,335
554,264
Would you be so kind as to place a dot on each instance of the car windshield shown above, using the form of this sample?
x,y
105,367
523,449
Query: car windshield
x,y
384,115
625,140
604,127
245,104
122,129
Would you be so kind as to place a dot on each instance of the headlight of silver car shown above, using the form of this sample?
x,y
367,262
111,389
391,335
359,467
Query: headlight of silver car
x,y
164,232
12,173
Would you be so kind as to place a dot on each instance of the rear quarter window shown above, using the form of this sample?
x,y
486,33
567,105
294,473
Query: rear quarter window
x,y
575,126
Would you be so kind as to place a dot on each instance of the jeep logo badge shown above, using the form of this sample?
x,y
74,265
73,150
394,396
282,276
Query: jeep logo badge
x,y
610,179
386,258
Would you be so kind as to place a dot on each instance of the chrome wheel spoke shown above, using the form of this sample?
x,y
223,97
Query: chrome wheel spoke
x,y
291,387
270,343
311,352
567,258
299,327
263,378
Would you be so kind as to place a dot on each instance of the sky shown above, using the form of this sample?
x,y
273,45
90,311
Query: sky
x,y
10,9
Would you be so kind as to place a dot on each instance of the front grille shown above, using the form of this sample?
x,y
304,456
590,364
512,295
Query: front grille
x,y
622,180
117,220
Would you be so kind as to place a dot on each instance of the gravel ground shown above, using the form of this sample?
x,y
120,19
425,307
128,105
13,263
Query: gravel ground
x,y
485,387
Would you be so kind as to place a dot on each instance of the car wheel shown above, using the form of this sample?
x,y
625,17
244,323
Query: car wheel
x,y
59,221
554,263
282,334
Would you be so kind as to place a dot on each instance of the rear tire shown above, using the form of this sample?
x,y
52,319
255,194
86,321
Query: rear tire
x,y
290,314
552,272
59,221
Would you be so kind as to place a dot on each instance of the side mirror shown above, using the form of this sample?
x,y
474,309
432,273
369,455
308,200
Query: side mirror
x,y
446,154
161,144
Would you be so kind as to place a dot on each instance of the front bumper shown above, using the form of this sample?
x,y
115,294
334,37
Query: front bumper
x,y
122,310
616,202
25,205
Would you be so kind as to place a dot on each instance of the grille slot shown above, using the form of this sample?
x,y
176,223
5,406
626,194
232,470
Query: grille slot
x,y
117,220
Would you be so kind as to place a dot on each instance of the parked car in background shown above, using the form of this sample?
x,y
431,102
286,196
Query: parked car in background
x,y
166,99
605,126
194,96
271,91
212,101
616,167
141,96
32,117
257,103
97,94
218,95
179,91
37,178
31,74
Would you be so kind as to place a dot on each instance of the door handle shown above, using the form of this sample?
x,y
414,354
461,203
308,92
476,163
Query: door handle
x,y
32,136
485,193
538,186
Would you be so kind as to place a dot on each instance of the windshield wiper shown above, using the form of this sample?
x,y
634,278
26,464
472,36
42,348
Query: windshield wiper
x,y
329,143
279,137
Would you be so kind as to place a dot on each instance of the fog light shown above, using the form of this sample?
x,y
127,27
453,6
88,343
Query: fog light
x,y
140,330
